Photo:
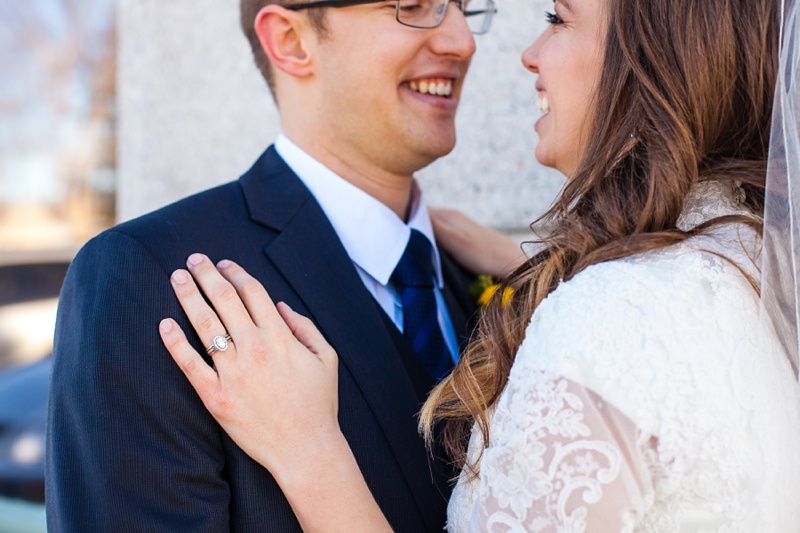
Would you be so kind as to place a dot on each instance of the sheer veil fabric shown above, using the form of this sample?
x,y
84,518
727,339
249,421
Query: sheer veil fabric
x,y
781,241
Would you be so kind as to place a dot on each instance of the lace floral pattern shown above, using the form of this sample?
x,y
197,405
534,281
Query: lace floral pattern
x,y
643,399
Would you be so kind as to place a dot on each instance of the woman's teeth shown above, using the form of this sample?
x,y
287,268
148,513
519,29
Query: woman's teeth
x,y
435,86
542,103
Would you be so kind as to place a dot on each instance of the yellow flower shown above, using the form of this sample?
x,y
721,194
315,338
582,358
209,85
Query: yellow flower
x,y
489,291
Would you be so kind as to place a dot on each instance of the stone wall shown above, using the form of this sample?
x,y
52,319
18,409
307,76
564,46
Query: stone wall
x,y
194,112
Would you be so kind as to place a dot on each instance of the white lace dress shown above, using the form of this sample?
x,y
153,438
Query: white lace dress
x,y
644,398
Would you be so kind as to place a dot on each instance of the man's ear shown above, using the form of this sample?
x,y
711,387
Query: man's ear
x,y
283,36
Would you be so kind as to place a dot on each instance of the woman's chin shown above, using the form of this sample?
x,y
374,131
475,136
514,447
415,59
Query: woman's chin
x,y
543,155
547,155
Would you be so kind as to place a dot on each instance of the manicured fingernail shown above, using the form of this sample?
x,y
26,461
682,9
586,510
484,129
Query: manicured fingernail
x,y
165,325
195,259
180,277
224,264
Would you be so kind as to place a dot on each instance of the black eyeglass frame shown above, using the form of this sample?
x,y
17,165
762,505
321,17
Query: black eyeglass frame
x,y
490,11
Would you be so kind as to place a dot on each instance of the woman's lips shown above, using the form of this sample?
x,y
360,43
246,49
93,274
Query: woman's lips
x,y
542,102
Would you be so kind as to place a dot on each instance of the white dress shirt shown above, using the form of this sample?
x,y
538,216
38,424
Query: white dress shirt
x,y
372,234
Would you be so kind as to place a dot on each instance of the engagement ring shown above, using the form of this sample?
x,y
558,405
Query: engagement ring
x,y
219,344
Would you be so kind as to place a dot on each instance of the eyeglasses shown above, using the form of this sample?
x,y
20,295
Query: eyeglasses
x,y
423,14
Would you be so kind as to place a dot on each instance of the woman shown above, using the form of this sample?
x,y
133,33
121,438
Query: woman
x,y
628,385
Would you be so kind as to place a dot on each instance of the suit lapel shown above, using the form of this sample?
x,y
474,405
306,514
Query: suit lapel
x,y
308,254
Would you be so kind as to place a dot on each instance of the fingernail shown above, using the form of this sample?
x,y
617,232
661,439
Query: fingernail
x,y
195,259
224,264
180,277
165,325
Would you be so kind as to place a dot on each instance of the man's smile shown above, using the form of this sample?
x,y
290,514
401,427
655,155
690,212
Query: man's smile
x,y
432,86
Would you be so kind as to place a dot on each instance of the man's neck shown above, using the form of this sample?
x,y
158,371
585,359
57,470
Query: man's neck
x,y
391,189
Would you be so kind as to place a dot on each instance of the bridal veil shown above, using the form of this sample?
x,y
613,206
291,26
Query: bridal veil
x,y
780,267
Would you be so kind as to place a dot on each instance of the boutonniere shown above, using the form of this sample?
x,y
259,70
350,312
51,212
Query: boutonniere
x,y
483,289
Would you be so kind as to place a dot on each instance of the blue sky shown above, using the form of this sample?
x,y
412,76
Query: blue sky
x,y
46,50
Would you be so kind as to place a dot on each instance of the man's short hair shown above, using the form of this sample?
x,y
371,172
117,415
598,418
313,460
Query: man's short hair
x,y
248,9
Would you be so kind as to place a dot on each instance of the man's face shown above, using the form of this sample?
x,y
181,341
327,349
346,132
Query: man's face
x,y
372,72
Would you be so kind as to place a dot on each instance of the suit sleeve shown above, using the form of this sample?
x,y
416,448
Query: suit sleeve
x,y
130,447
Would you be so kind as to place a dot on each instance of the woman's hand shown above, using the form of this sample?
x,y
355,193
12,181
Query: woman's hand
x,y
477,248
274,391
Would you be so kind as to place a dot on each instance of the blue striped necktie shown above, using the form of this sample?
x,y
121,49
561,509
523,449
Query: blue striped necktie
x,y
414,279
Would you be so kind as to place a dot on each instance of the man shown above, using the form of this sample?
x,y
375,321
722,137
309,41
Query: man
x,y
322,220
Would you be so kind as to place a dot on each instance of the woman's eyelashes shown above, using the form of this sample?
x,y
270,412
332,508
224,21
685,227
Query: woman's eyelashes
x,y
553,19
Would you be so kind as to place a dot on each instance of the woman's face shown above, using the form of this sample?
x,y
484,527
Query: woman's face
x,y
568,58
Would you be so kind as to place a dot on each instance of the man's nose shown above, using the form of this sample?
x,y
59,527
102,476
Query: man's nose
x,y
453,36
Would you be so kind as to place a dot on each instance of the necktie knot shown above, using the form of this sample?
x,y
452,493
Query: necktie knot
x,y
414,279
415,268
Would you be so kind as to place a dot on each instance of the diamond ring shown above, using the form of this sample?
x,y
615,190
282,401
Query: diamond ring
x,y
219,344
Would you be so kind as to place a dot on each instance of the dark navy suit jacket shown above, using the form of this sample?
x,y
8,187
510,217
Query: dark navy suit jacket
x,y
131,447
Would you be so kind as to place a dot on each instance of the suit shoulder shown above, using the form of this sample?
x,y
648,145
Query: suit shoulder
x,y
172,227
203,208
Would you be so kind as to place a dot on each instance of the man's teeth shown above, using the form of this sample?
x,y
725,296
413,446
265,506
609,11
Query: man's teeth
x,y
542,103
436,86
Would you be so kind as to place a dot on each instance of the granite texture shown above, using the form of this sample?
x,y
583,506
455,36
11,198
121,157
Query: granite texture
x,y
194,112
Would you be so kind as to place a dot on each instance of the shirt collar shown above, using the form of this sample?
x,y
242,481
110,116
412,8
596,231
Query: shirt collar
x,y
372,234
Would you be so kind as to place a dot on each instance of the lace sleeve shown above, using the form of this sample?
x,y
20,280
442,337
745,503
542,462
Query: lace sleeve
x,y
627,404
565,461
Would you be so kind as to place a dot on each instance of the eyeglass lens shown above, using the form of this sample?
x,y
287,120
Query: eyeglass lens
x,y
430,13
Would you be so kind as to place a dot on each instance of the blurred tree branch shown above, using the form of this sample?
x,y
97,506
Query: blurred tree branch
x,y
57,38
58,66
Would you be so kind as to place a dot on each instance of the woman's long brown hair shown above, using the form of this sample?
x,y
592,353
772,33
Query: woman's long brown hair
x,y
690,87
